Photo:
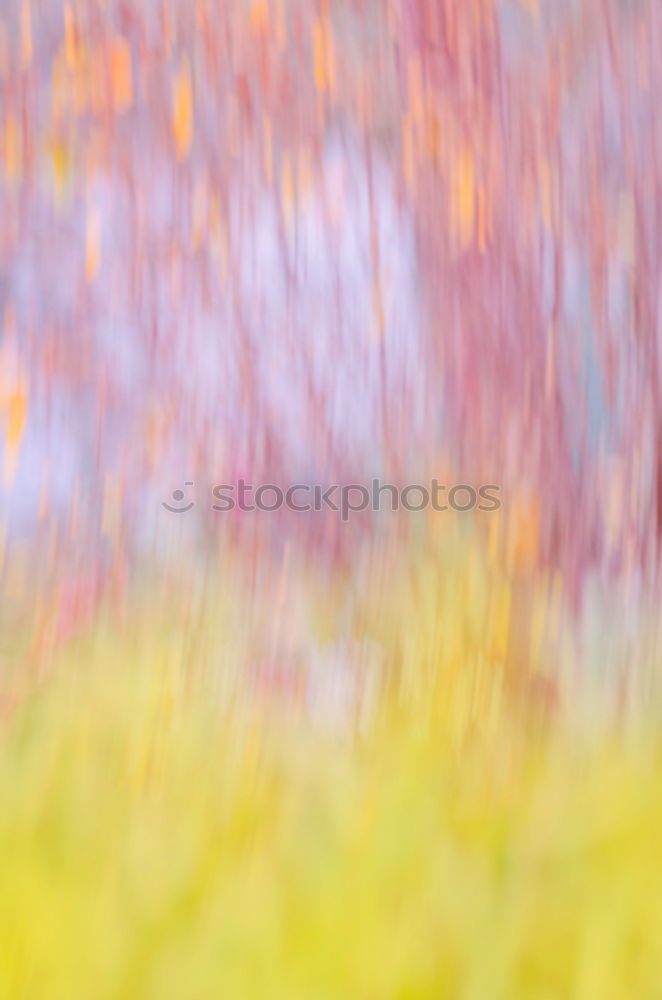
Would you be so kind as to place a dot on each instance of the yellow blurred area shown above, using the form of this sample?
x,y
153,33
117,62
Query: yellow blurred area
x,y
162,835
177,822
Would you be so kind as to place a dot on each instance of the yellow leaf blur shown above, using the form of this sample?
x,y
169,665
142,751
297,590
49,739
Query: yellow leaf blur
x,y
183,112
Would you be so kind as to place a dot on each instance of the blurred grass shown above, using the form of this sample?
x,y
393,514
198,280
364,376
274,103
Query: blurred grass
x,y
165,834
